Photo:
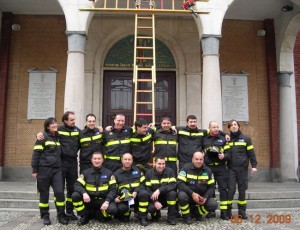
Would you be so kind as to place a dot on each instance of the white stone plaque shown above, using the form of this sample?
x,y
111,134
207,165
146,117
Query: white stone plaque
x,y
41,94
235,97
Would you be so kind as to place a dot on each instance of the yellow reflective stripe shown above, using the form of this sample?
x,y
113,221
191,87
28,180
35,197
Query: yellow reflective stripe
x,y
105,214
124,186
109,143
202,210
143,204
38,147
185,212
242,202
164,180
250,147
202,178
229,202
112,182
78,209
77,203
69,199
165,142
142,209
85,139
170,158
214,163
94,189
197,134
112,157
223,202
63,133
237,143
173,179
184,207
211,181
226,147
60,203
155,181
43,205
74,133
99,136
181,178
171,202
51,143
223,207
190,176
81,181
142,179
134,185
148,183
147,137
135,139
184,132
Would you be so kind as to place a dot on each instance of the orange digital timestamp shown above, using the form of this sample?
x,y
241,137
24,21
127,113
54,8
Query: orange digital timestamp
x,y
270,219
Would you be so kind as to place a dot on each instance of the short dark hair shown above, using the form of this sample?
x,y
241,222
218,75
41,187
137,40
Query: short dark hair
x,y
140,122
159,156
191,117
65,116
48,122
165,118
90,115
230,123
97,152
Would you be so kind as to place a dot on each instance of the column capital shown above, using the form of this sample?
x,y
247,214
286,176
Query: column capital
x,y
284,78
210,45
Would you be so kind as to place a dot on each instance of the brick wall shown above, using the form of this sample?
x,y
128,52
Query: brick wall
x,y
297,86
4,66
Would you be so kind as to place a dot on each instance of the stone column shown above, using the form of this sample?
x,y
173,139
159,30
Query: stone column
x,y
286,134
74,88
211,84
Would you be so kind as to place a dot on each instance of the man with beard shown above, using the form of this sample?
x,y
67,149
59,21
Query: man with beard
x,y
131,189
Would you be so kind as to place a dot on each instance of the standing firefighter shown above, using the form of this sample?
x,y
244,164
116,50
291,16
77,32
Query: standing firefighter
x,y
46,167
161,186
95,191
240,152
214,146
196,187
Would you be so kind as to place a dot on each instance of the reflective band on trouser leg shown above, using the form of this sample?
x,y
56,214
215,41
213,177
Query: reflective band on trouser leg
x,y
185,209
223,205
242,202
143,206
68,199
105,214
43,205
79,206
202,210
171,202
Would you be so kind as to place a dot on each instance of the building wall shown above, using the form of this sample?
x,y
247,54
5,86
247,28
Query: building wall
x,y
42,43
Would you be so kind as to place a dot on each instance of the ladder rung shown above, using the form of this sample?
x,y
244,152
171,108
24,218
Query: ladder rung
x,y
144,69
144,80
144,47
144,27
144,58
145,37
144,91
144,114
144,17
144,102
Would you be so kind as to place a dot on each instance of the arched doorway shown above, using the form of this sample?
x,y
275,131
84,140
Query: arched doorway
x,y
118,86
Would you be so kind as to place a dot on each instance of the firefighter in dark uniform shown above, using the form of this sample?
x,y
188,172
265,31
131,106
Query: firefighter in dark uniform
x,y
95,191
46,167
161,186
189,140
90,139
165,142
131,188
116,142
68,135
141,143
196,187
240,152
215,149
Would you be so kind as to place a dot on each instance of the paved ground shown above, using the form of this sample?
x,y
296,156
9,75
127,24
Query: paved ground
x,y
258,219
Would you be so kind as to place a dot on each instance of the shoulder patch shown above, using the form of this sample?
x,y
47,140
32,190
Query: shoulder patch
x,y
135,172
112,177
205,174
103,176
182,173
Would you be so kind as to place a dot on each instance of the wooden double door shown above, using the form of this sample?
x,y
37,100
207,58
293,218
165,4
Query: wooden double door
x,y
118,96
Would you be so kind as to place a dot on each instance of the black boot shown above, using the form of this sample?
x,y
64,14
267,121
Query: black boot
x,y
171,221
83,220
243,214
143,221
229,213
224,215
187,219
156,216
71,216
46,220
211,215
63,219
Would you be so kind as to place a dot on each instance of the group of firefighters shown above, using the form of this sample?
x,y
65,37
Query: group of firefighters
x,y
115,174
